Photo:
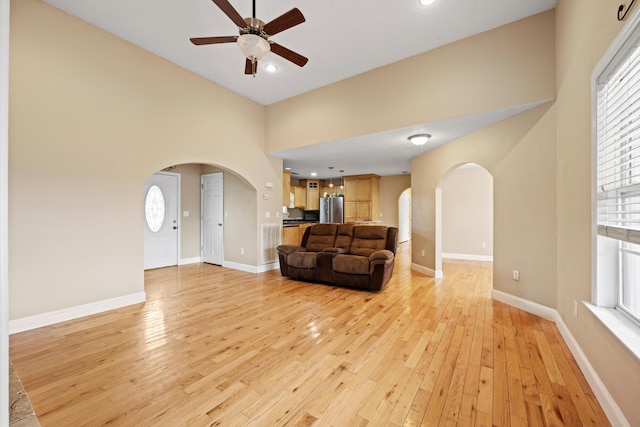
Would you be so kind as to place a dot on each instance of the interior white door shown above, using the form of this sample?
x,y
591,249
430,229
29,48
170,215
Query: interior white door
x,y
161,206
404,216
212,218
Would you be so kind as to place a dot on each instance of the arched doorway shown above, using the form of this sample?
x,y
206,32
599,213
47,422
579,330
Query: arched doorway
x,y
464,215
237,245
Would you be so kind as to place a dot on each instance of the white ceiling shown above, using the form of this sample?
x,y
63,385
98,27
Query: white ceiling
x,y
341,38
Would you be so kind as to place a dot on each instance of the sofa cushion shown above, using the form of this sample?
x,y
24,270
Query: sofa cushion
x,y
302,259
367,239
351,264
344,236
321,236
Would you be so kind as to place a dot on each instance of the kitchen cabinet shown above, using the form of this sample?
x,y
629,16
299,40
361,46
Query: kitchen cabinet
x,y
313,193
301,229
290,236
361,198
286,187
300,196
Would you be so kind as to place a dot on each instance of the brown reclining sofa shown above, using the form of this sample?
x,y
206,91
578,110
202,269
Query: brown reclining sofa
x,y
358,256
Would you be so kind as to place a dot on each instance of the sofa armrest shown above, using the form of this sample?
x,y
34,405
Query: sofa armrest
x,y
381,257
288,249
336,251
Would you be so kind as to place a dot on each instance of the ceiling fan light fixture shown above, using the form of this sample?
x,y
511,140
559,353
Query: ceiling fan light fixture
x,y
254,47
419,139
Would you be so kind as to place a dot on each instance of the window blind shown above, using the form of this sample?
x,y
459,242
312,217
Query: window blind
x,y
618,147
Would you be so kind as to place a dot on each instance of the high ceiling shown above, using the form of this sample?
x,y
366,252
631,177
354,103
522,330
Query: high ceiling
x,y
341,39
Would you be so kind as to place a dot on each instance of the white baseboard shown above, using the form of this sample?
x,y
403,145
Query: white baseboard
x,y
241,267
469,257
52,317
269,267
251,268
193,260
437,274
609,405
526,305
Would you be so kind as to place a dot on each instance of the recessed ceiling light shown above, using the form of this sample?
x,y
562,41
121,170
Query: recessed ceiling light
x,y
427,2
271,68
314,174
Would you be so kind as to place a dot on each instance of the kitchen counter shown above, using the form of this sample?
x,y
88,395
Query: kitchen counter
x,y
295,222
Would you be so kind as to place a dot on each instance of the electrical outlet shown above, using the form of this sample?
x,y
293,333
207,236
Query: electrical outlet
x,y
423,252
241,251
267,214
575,308
516,275
484,244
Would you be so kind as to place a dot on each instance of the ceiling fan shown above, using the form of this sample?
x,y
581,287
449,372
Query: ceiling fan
x,y
254,36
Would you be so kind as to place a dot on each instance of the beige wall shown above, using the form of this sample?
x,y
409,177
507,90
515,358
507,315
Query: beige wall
x,y
467,212
90,117
391,187
190,202
585,29
508,66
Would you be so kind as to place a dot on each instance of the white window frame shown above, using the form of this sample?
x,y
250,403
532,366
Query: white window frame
x,y
605,250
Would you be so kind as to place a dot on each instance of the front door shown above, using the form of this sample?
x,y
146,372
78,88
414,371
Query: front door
x,y
161,220
212,218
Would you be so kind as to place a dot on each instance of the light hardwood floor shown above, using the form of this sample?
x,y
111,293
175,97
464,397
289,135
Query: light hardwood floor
x,y
213,346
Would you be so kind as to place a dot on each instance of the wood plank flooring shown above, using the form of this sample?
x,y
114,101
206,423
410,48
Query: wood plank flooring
x,y
213,346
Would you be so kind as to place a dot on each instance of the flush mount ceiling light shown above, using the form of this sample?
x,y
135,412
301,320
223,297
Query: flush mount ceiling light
x,y
427,2
419,139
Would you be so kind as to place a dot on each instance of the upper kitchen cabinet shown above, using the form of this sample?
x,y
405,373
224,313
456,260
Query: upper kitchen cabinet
x,y
300,196
313,193
286,187
362,198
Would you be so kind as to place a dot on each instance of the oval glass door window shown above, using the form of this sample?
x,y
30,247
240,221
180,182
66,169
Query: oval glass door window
x,y
154,208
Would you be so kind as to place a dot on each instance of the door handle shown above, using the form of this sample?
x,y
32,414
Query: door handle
x,y
220,224
175,228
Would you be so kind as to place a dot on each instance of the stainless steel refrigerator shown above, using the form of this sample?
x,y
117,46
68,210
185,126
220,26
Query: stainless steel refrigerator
x,y
332,209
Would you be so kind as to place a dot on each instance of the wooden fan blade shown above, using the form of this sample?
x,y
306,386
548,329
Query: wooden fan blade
x,y
229,10
284,21
213,40
288,54
250,67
